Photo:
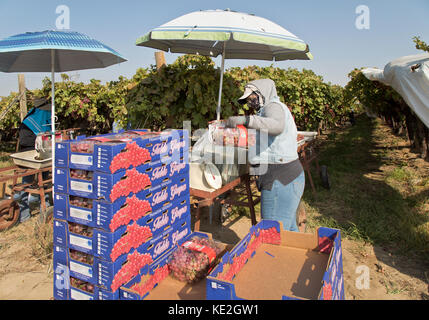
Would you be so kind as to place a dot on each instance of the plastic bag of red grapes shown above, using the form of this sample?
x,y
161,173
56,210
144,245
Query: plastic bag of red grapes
x,y
83,146
193,260
233,137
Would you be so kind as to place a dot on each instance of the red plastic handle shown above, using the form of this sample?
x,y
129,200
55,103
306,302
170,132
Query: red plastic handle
x,y
242,138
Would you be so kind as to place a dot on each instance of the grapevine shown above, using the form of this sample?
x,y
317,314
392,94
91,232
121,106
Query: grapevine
x,y
387,104
184,90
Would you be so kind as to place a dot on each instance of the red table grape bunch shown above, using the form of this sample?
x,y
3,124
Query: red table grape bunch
x,y
81,174
84,146
270,236
82,285
133,210
327,291
147,285
132,239
133,156
192,260
325,244
81,202
135,262
133,182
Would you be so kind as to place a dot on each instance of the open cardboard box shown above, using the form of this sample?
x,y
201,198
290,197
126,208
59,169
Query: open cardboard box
x,y
170,288
300,266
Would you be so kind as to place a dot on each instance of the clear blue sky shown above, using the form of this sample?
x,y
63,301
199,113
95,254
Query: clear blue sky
x,y
327,26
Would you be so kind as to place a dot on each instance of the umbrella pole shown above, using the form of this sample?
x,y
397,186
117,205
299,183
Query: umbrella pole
x,y
221,81
53,117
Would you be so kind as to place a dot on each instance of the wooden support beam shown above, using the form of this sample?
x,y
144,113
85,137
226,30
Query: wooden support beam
x,y
160,59
23,99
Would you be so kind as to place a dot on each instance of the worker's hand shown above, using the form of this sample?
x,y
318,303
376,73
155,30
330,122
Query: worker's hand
x,y
232,122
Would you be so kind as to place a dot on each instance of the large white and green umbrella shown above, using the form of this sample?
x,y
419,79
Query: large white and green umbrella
x,y
234,35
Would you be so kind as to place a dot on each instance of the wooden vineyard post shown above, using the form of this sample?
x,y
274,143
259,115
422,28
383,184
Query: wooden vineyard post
x,y
23,99
160,59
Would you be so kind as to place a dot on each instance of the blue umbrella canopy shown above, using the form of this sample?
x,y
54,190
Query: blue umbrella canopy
x,y
32,52
54,51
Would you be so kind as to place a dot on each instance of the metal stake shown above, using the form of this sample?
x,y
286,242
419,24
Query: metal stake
x,y
221,81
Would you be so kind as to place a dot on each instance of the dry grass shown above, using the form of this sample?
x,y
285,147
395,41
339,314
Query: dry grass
x,y
380,189
26,247
42,242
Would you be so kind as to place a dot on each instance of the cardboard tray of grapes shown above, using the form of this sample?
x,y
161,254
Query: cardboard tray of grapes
x,y
270,263
30,159
170,288
173,289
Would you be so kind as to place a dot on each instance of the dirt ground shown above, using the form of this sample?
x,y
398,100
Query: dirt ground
x,y
24,273
24,277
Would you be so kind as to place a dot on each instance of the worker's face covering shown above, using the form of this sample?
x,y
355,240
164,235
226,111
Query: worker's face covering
x,y
254,102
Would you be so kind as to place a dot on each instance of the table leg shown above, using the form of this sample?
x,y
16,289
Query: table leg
x,y
250,199
41,192
14,183
317,164
197,219
307,168
210,214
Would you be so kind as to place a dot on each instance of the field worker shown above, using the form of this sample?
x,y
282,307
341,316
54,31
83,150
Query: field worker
x,y
37,120
282,180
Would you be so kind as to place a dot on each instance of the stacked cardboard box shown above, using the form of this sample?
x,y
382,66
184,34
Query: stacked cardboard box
x,y
119,202
269,263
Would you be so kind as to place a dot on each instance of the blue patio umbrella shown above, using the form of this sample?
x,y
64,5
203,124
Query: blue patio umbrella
x,y
54,51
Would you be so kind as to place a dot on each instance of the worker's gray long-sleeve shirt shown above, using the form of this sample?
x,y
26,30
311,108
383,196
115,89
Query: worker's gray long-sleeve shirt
x,y
273,122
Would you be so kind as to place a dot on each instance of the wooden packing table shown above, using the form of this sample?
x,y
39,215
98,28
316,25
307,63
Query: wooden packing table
x,y
40,186
207,198
307,155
